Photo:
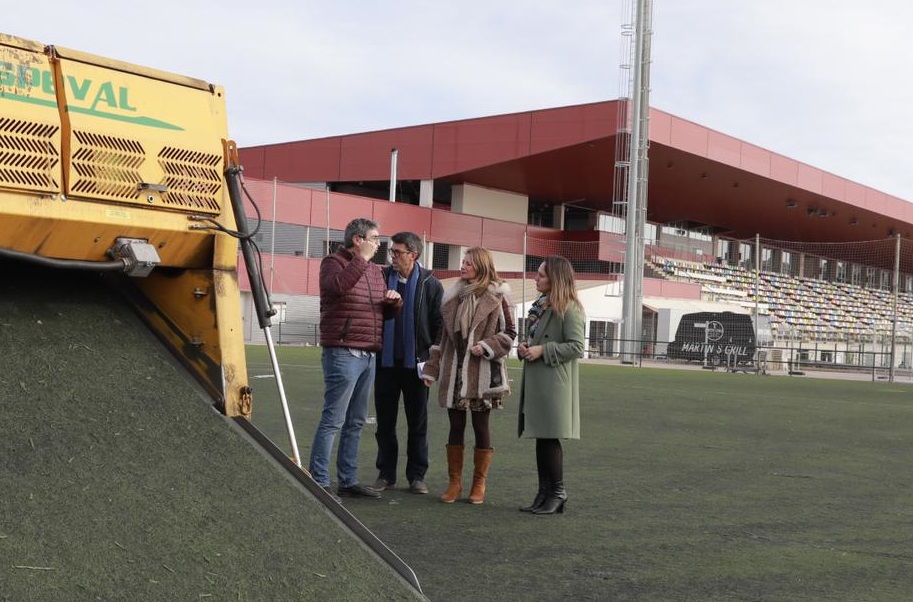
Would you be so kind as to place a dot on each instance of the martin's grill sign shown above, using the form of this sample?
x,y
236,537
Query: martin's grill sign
x,y
98,98
717,337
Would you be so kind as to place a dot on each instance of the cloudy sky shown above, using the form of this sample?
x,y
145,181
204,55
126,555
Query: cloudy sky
x,y
826,82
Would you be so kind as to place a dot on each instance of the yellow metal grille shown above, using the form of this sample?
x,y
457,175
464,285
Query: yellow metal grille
x,y
106,166
193,179
28,155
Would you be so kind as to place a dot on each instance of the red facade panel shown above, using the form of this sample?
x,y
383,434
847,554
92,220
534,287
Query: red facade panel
x,y
367,156
465,145
833,186
260,191
755,159
724,149
253,160
292,204
456,228
661,127
285,274
611,247
399,217
875,201
545,233
810,178
313,161
855,194
313,276
345,207
567,126
689,137
504,236
784,169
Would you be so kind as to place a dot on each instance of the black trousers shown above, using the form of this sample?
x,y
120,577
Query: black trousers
x,y
389,384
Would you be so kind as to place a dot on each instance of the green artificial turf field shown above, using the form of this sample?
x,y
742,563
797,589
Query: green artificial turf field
x,y
685,485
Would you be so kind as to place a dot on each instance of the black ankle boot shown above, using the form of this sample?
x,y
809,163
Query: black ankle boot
x,y
554,501
540,498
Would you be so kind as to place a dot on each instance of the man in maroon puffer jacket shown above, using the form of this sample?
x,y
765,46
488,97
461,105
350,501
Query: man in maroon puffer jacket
x,y
354,301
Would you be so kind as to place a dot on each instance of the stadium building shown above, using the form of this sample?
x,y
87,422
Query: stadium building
x,y
825,262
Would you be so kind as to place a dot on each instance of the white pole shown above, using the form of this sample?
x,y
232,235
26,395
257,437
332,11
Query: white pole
x,y
272,238
327,240
894,309
285,411
757,294
393,156
523,298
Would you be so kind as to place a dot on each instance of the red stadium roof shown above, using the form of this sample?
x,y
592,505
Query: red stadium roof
x,y
566,155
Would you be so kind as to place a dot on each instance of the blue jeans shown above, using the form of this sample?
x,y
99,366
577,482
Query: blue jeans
x,y
347,383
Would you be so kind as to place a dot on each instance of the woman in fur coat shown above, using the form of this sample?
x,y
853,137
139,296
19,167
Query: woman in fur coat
x,y
470,364
549,396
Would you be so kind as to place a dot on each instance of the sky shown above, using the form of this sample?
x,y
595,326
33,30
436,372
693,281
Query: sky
x,y
825,82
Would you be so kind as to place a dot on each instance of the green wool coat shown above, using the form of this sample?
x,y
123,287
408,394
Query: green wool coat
x,y
549,396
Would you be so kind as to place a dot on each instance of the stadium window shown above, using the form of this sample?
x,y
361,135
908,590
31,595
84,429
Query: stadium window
x,y
441,256
649,232
767,259
786,263
908,283
606,222
870,276
602,338
841,271
856,278
745,255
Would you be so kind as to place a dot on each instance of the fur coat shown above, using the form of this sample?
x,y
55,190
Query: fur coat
x,y
493,327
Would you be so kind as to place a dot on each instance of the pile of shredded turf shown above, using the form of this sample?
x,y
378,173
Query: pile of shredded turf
x,y
119,481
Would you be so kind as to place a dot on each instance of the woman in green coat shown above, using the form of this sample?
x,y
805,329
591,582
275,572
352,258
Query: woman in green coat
x,y
549,400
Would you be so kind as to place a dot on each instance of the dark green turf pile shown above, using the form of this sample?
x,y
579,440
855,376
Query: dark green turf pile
x,y
118,481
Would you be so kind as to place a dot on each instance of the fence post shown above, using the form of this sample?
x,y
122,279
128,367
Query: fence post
x,y
894,309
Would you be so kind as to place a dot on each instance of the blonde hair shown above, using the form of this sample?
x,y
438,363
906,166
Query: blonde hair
x,y
563,291
486,273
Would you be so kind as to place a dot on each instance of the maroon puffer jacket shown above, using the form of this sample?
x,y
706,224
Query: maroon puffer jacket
x,y
352,306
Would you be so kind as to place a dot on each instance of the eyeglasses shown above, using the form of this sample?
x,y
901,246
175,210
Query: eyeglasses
x,y
371,238
398,253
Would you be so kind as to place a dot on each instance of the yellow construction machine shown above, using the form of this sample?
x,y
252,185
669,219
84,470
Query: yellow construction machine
x,y
128,171
113,167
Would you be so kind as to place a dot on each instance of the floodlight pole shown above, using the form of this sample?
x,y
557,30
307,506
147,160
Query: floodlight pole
x,y
635,219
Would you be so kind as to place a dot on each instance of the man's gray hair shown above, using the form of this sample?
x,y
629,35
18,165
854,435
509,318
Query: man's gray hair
x,y
358,227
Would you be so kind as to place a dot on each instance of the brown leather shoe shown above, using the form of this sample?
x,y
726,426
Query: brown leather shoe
x,y
382,484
